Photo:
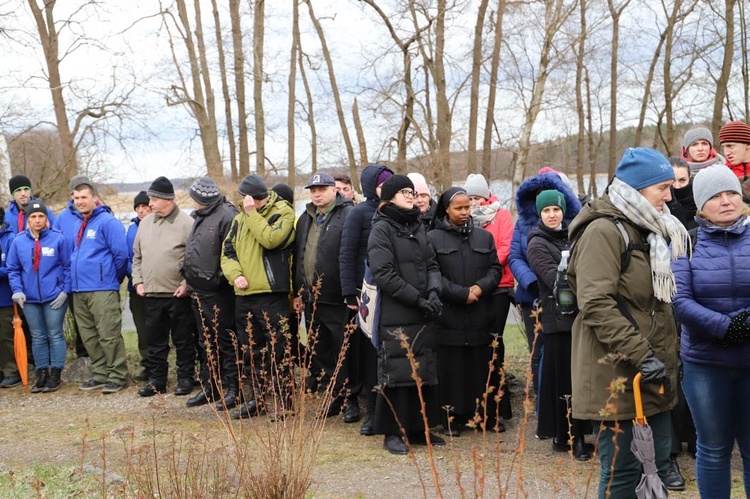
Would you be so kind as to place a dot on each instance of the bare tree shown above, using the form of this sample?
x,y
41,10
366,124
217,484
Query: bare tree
x,y
239,87
726,67
259,17
225,93
476,66
310,110
489,121
615,11
292,84
360,135
580,109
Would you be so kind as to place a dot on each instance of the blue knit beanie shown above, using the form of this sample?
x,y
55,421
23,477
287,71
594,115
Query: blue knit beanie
x,y
641,167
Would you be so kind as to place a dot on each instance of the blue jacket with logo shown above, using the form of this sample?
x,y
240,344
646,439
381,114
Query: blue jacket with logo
x,y
100,261
53,276
6,239
11,216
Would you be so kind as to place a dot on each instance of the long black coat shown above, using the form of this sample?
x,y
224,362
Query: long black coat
x,y
544,255
404,268
327,261
466,256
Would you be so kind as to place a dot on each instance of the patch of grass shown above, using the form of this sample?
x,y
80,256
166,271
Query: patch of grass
x,y
43,480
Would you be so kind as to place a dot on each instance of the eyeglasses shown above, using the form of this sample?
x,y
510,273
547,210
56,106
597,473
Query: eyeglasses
x,y
408,193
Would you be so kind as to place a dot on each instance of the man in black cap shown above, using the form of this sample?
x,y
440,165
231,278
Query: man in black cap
x,y
158,254
137,302
212,295
317,276
20,189
256,258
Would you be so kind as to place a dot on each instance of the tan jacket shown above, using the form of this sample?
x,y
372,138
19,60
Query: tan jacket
x,y
159,251
602,328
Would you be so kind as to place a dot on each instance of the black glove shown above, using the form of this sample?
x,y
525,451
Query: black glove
x,y
426,307
434,300
654,371
738,331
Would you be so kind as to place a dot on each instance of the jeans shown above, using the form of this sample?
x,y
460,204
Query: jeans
x,y
719,399
627,469
47,337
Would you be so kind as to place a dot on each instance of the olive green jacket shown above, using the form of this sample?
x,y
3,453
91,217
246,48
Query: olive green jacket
x,y
606,343
259,247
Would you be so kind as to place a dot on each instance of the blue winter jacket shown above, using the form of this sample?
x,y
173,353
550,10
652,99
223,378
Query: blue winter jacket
x,y
100,261
11,216
356,232
712,287
6,239
66,219
527,220
53,276
129,240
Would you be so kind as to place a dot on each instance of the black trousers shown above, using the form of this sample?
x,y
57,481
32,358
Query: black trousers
x,y
214,322
326,328
536,342
262,323
165,317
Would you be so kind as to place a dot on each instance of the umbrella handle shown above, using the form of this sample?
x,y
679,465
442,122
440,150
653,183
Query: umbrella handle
x,y
639,417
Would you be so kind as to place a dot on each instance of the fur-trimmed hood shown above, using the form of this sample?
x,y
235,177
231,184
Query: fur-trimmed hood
x,y
528,190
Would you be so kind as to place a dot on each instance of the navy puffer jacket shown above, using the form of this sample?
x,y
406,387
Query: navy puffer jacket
x,y
712,287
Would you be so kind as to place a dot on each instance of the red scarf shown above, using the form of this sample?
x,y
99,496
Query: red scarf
x,y
37,254
82,230
21,217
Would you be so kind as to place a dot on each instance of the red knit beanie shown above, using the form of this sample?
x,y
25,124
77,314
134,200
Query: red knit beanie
x,y
735,131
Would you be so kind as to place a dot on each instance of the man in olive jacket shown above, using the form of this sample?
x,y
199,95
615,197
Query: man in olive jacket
x,y
256,259
317,277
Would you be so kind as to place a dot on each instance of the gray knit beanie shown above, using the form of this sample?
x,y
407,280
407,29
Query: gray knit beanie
x,y
253,185
695,134
204,191
714,180
476,185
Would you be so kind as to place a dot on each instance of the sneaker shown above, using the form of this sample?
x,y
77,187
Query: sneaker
x,y
112,387
91,384
10,381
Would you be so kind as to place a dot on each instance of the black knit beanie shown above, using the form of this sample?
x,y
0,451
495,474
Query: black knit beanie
x,y
253,185
35,207
284,192
140,198
18,181
394,184
161,188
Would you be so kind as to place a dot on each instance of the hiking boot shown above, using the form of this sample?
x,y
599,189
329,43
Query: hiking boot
x,y
395,445
368,428
53,382
229,400
150,390
41,380
351,414
184,386
10,381
198,400
112,387
91,385
245,410
675,480
580,452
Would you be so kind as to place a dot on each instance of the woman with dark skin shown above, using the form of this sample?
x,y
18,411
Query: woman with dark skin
x,y
465,330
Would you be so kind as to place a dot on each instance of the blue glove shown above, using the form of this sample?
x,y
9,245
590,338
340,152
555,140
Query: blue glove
x,y
19,298
59,301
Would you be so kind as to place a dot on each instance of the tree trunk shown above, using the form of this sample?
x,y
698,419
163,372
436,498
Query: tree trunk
x,y
580,110
647,91
310,111
476,66
291,176
225,94
591,146
615,13
259,18
726,67
361,139
239,87
335,90
489,119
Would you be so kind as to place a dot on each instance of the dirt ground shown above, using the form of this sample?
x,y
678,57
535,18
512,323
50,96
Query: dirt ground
x,y
70,427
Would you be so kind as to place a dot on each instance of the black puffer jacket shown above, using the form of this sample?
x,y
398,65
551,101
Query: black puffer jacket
x,y
404,268
202,265
466,256
327,261
544,254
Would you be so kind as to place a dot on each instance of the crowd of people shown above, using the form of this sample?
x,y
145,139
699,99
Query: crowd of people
x,y
227,285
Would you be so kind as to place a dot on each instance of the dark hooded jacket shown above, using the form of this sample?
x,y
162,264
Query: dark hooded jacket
x,y
327,260
683,206
357,228
429,214
466,256
528,218
545,252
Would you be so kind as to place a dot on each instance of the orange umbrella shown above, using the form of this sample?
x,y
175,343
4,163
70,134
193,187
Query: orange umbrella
x,y
19,347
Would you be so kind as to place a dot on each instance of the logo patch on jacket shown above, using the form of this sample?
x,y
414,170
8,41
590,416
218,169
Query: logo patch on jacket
x,y
48,251
91,234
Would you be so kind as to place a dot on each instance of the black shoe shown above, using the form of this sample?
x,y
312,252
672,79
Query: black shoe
x,y
418,438
395,445
368,428
198,400
453,431
580,452
112,387
184,387
41,380
91,385
675,480
334,408
245,411
351,414
500,427
150,390
143,376
560,446
229,400
10,381
53,382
